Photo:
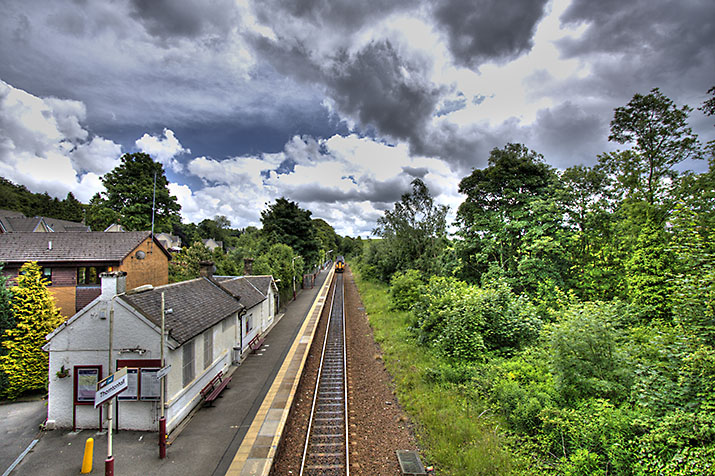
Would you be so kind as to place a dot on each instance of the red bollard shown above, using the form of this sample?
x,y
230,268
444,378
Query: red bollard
x,y
109,466
162,438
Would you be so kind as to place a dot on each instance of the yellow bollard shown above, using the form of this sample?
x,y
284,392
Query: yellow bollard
x,y
87,460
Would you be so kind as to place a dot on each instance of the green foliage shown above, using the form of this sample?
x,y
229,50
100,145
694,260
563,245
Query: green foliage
x,y
130,194
512,219
7,321
649,271
184,265
463,321
413,234
285,222
25,363
661,138
19,198
281,262
587,358
405,289
458,434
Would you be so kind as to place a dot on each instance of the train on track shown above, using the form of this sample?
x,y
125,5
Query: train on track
x,y
339,264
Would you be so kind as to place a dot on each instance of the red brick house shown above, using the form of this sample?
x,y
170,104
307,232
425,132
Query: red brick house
x,y
73,261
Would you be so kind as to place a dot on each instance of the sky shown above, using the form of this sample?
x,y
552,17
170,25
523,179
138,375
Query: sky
x,y
334,104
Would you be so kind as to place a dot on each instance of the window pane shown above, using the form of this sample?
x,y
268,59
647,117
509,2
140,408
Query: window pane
x,y
188,365
208,347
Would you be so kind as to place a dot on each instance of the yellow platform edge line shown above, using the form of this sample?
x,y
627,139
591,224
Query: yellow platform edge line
x,y
242,455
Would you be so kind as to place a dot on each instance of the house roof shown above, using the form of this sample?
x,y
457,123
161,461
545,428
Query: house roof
x,y
65,225
241,288
262,283
14,222
70,246
195,305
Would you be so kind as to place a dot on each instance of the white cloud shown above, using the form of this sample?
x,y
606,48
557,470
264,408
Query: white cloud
x,y
45,147
163,149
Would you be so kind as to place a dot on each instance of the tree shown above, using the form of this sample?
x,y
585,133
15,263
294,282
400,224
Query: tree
x,y
511,219
285,222
280,262
129,196
73,210
660,137
25,363
414,230
185,264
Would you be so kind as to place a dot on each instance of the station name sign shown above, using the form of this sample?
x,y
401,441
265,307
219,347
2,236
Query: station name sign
x,y
111,386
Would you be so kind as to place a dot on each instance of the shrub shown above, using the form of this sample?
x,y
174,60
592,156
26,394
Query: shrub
x,y
25,363
586,358
405,289
464,321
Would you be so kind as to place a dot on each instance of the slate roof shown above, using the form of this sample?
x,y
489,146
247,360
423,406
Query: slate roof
x,y
196,305
70,246
241,288
263,283
16,222
65,225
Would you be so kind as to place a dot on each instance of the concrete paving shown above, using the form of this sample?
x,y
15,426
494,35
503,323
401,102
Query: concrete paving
x,y
208,443
19,426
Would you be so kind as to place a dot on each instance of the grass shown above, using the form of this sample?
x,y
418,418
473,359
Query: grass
x,y
454,433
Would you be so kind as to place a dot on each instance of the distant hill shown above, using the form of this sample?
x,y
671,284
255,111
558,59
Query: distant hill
x,y
19,198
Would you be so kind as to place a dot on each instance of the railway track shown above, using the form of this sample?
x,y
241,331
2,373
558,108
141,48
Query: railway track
x,y
326,444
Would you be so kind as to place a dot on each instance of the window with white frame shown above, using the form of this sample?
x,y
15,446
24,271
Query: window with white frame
x,y
208,347
249,323
188,363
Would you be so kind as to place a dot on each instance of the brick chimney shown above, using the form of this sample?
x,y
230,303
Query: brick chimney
x,y
113,283
206,269
248,266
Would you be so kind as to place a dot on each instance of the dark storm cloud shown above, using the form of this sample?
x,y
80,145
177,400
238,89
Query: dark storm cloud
x,y
344,15
660,40
388,191
381,89
167,18
570,134
417,172
488,29
374,86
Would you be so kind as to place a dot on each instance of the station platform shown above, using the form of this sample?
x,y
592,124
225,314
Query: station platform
x,y
237,435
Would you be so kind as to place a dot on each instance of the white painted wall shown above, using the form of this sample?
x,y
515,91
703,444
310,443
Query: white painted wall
x,y
85,340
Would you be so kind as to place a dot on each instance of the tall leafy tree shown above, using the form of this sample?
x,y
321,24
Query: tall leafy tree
x,y
510,220
285,222
24,363
129,196
660,138
415,230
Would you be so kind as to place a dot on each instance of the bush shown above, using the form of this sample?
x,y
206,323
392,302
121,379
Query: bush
x,y
585,353
464,321
405,289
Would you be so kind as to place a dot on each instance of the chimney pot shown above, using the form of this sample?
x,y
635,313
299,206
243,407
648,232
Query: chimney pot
x,y
206,269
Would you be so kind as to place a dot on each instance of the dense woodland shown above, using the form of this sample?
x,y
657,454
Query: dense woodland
x,y
573,313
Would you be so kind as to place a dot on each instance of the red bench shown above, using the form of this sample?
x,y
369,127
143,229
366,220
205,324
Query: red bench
x,y
256,342
212,390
